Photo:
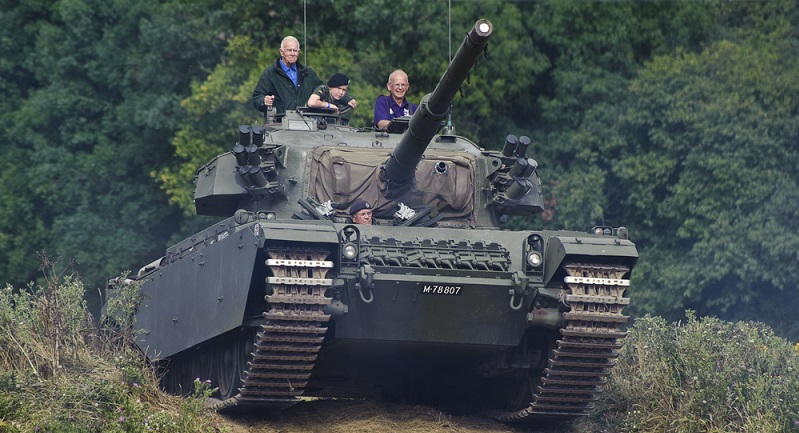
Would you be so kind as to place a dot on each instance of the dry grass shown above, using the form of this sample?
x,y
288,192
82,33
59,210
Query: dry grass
x,y
60,373
365,416
704,375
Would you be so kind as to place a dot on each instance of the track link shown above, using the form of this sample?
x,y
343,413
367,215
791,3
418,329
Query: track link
x,y
286,347
581,362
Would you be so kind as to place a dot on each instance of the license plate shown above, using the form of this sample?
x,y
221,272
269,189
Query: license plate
x,y
440,289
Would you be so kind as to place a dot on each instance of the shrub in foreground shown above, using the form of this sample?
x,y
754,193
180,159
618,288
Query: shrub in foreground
x,y
704,375
60,373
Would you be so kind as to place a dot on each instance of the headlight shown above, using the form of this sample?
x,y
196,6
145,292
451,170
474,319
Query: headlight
x,y
602,230
350,251
534,259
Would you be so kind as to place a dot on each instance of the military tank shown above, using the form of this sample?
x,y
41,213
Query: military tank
x,y
286,299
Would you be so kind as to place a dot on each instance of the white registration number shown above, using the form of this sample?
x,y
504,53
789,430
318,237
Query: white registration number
x,y
435,289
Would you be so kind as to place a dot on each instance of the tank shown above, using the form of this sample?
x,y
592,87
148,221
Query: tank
x,y
286,299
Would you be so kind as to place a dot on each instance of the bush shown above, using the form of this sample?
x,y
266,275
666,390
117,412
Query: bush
x,y
62,374
704,375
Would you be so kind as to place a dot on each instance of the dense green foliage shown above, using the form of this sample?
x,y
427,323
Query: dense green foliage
x,y
677,119
95,88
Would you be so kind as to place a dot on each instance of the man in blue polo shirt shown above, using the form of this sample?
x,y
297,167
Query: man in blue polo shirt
x,y
394,105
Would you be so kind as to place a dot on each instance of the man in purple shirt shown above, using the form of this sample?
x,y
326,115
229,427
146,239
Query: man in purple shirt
x,y
395,104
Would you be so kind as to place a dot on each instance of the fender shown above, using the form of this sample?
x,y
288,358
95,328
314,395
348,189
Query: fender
x,y
312,231
219,278
560,247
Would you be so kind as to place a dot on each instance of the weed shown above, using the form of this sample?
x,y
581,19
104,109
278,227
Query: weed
x,y
704,375
63,373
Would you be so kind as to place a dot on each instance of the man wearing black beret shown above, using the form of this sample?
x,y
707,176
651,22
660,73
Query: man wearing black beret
x,y
334,95
361,212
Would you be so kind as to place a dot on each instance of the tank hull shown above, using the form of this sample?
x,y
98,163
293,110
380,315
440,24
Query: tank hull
x,y
414,305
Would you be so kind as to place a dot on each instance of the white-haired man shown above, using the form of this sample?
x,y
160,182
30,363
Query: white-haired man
x,y
287,83
388,107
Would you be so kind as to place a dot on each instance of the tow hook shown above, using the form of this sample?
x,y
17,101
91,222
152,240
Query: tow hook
x,y
336,308
519,287
365,283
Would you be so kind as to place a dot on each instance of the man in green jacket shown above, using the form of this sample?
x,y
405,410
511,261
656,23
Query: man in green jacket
x,y
286,84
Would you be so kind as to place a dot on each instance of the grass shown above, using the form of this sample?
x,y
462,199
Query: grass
x,y
60,372
703,375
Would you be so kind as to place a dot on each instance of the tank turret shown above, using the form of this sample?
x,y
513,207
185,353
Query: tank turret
x,y
434,107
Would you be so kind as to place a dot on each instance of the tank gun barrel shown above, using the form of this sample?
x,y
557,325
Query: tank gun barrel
x,y
433,109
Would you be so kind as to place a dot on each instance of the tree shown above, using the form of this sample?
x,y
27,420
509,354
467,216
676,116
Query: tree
x,y
712,178
594,49
100,85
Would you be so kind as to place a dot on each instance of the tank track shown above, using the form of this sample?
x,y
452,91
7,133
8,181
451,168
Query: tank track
x,y
581,362
286,347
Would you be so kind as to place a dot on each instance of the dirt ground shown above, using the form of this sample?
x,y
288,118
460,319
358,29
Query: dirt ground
x,y
360,416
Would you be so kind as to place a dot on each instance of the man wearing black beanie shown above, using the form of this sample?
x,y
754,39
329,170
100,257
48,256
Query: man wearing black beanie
x,y
334,95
